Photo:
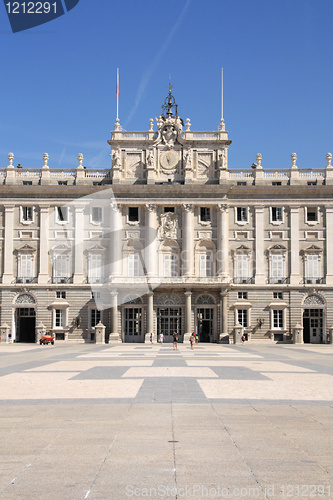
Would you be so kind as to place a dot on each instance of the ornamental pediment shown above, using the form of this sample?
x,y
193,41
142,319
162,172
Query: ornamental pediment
x,y
25,249
96,249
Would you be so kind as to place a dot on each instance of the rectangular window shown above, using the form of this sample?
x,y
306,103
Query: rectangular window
x,y
312,271
278,318
133,214
241,183
133,264
95,268
276,183
276,214
242,317
60,295
241,214
277,295
62,183
60,269
62,214
277,273
26,267
242,267
311,214
242,295
96,214
27,214
27,183
205,214
169,209
95,317
169,263
60,318
205,265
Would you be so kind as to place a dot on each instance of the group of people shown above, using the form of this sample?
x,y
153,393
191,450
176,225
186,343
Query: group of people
x,y
194,339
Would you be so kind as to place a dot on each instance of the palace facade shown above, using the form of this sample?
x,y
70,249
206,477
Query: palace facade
x,y
168,239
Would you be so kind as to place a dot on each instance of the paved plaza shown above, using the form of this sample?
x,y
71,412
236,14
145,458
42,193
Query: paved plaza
x,y
82,421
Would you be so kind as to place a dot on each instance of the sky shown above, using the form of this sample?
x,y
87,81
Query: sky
x,y
58,80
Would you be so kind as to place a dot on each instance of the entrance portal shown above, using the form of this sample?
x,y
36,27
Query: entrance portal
x,y
169,321
26,324
205,324
133,324
313,325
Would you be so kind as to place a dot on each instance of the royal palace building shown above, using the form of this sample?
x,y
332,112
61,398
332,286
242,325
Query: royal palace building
x,y
167,239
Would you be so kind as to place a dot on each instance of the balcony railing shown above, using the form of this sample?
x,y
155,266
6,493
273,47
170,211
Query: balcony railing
x,y
62,279
243,280
313,281
26,279
278,281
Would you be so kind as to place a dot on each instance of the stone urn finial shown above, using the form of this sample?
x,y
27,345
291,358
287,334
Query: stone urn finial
x,y
151,124
329,160
80,160
222,125
45,160
10,159
188,124
293,160
117,124
259,159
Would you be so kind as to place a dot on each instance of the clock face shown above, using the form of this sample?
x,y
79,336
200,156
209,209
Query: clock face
x,y
169,159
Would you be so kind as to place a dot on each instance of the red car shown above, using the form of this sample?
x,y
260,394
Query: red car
x,y
47,339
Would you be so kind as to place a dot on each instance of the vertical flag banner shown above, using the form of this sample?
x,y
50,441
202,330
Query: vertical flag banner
x,y
26,15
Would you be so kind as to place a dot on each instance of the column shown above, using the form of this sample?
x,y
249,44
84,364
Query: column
x,y
8,245
259,242
188,240
79,235
329,246
295,277
114,335
43,276
224,336
188,316
222,260
150,316
151,249
115,240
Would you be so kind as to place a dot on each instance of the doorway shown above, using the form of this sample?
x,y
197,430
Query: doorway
x,y
169,321
25,325
133,324
313,326
205,324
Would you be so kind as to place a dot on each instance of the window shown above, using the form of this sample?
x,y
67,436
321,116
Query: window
x,y
241,183
27,183
25,271
242,295
312,270
95,268
26,214
60,318
205,214
241,214
242,268
169,263
169,209
95,295
276,271
96,215
311,214
62,183
242,317
276,214
312,183
95,317
133,264
133,214
276,183
60,295
60,268
277,295
278,318
62,214
205,265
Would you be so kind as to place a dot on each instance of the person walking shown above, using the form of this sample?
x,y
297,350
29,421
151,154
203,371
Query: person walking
x,y
192,340
161,337
151,338
243,339
175,340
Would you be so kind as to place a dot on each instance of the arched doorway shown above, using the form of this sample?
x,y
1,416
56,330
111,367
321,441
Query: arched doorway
x,y
313,319
205,318
25,319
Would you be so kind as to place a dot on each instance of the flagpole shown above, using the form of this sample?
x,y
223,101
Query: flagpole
x,y
117,94
222,94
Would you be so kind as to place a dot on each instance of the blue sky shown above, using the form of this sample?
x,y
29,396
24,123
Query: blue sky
x,y
58,80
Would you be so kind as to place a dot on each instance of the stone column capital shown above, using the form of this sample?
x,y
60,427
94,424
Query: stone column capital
x,y
188,207
151,207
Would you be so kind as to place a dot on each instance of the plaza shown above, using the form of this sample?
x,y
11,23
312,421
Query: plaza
x,y
122,421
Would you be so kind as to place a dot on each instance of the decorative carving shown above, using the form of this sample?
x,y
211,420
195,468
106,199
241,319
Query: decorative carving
x,y
188,124
223,160
150,207
329,160
151,125
116,163
293,160
188,159
313,300
133,235
169,134
223,208
133,165
132,299
205,299
169,226
10,160
115,207
205,235
168,299
45,160
25,298
188,207
259,159
150,159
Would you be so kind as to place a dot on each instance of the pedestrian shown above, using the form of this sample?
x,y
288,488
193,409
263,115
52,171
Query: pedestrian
x,y
196,338
243,339
151,338
175,340
192,340
161,337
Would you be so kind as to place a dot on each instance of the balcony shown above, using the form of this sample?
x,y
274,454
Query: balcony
x,y
278,280
243,280
26,279
62,279
313,281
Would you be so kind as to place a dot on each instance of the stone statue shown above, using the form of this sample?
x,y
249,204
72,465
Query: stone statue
x,y
150,159
116,159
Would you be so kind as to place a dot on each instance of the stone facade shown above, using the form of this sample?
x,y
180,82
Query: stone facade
x,y
169,239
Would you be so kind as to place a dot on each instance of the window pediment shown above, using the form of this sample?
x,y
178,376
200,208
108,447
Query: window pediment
x,y
25,249
96,249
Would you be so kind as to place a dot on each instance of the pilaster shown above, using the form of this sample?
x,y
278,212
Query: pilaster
x,y
188,313
8,247
78,257
151,253
294,246
329,246
188,240
222,257
259,242
43,276
115,240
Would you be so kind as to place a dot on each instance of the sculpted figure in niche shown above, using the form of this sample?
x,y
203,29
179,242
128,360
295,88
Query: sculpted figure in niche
x,y
116,159
150,159
188,159
223,159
